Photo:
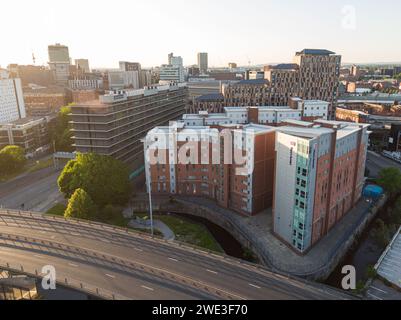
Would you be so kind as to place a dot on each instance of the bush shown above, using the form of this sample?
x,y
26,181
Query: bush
x,y
12,159
80,206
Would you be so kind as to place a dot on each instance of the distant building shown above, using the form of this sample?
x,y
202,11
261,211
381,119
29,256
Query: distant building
x,y
254,75
232,65
44,101
174,71
29,133
83,64
59,62
314,75
118,80
203,63
29,74
349,115
12,105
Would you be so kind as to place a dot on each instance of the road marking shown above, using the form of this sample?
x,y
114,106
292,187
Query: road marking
x,y
255,286
211,271
137,249
147,288
375,297
73,265
110,275
172,259
43,232
378,289
75,234
104,240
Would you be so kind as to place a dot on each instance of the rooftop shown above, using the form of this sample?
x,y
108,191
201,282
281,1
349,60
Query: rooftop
x,y
253,82
210,97
316,52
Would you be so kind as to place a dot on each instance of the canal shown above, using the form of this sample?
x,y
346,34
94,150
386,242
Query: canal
x,y
227,242
364,253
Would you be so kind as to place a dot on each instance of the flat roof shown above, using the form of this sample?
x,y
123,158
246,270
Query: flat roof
x,y
389,264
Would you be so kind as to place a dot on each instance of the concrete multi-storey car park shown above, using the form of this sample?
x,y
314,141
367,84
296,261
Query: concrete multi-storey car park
x,y
319,177
115,124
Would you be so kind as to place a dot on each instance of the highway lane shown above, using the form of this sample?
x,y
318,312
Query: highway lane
x,y
37,191
376,162
234,279
128,287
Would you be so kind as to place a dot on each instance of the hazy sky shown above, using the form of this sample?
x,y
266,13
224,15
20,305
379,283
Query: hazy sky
x,y
259,31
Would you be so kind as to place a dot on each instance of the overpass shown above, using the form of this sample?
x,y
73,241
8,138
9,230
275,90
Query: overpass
x,y
116,263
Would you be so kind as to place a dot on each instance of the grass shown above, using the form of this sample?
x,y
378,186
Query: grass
x,y
57,210
189,232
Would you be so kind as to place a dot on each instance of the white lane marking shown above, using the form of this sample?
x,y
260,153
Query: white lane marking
x,y
147,288
211,271
73,265
375,297
172,259
104,240
110,275
75,234
255,286
42,232
378,289
137,249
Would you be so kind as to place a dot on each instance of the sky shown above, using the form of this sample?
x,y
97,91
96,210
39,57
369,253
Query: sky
x,y
241,31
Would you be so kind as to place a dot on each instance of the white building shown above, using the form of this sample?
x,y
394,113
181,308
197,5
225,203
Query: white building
x,y
174,71
311,108
12,106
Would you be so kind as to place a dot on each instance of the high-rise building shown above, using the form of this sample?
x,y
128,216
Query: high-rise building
x,y
313,75
59,62
12,106
319,177
114,124
118,80
203,62
174,71
83,64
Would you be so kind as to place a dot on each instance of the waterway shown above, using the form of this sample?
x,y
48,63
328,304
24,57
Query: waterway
x,y
227,242
363,254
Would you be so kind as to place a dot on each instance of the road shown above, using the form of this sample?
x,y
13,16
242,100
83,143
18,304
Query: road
x,y
38,191
134,266
376,162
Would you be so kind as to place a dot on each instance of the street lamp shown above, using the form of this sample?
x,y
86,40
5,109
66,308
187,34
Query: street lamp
x,y
148,177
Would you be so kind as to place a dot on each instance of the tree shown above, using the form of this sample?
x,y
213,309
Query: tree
x,y
61,132
390,180
80,206
396,212
12,159
381,233
104,178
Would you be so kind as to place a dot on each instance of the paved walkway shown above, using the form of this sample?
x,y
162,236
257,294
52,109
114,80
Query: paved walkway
x,y
168,234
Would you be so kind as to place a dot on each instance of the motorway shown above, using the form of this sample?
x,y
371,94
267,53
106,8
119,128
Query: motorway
x,y
376,162
38,191
129,265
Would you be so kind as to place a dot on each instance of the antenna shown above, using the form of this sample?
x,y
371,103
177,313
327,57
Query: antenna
x,y
33,58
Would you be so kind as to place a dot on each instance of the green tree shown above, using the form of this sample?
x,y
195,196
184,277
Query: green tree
x,y
381,233
80,206
61,132
390,180
12,159
104,178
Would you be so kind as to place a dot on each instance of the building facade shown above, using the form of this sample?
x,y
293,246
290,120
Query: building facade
x,y
203,63
232,165
59,62
114,124
83,64
29,133
319,177
314,75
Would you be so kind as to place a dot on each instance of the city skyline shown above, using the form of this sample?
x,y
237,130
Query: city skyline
x,y
232,32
